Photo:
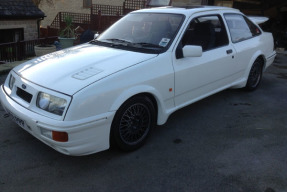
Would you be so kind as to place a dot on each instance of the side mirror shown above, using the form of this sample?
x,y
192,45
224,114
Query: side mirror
x,y
96,35
192,51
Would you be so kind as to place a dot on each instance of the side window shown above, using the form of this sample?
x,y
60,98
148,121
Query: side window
x,y
207,31
253,28
240,27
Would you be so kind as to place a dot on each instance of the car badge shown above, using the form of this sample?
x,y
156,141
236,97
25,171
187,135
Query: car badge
x,y
24,86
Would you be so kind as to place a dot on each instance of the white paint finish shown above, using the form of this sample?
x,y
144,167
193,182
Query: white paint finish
x,y
196,76
258,20
97,80
63,65
155,76
192,51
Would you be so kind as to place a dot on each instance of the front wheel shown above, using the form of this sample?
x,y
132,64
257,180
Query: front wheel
x,y
133,123
255,75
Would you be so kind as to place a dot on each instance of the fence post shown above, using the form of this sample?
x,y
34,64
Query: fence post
x,y
20,49
48,31
124,8
100,18
60,20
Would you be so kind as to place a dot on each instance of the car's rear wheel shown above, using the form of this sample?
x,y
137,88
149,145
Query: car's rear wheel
x,y
133,123
255,75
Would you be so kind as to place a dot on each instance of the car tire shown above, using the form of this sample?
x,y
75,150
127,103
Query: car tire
x,y
255,75
133,123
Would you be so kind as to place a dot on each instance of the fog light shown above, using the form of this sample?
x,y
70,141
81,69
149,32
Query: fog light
x,y
47,133
60,136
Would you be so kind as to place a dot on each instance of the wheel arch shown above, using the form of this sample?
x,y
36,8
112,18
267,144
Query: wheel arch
x,y
147,91
256,55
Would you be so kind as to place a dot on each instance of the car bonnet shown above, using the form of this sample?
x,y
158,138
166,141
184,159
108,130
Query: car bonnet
x,y
70,70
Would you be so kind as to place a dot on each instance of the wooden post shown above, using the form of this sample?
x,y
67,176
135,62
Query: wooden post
x,y
60,20
99,24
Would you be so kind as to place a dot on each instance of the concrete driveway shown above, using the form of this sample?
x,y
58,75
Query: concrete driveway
x,y
234,141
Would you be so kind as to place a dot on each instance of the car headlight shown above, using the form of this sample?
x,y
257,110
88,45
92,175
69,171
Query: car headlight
x,y
50,103
11,81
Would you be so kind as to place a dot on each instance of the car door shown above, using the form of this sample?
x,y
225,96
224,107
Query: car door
x,y
197,77
245,38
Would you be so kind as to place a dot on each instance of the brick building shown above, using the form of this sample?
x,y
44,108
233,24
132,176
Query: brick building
x,y
19,20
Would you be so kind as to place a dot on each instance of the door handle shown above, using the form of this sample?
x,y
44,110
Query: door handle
x,y
229,51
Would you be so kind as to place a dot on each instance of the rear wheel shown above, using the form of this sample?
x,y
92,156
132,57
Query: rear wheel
x,y
255,75
133,123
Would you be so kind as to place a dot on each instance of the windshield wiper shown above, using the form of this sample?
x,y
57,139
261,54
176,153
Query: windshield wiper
x,y
148,45
138,45
119,41
94,41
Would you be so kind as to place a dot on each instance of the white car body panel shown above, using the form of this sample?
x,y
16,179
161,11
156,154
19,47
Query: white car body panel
x,y
96,80
258,20
90,58
86,136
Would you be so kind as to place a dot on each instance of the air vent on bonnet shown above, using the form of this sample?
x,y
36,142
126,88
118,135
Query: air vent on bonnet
x,y
87,73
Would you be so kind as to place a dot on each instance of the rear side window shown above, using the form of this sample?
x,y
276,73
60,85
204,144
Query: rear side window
x,y
240,27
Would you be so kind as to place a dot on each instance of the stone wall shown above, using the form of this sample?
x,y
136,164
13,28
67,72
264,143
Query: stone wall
x,y
29,26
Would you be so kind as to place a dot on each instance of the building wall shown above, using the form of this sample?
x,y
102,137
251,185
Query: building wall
x,y
75,6
186,2
51,11
109,2
29,26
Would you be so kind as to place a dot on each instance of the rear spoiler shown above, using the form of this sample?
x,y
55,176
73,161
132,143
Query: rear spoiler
x,y
257,19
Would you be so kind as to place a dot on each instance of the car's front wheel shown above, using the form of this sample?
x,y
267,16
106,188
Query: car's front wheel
x,y
255,75
133,123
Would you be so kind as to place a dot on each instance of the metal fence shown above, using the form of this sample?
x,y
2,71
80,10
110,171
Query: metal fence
x,y
21,50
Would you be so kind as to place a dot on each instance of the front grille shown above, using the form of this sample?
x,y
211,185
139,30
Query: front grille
x,y
24,95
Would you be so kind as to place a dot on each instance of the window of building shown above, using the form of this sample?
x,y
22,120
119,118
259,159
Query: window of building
x,y
11,35
87,3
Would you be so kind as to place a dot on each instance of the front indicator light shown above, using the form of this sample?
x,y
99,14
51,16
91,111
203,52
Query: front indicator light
x,y
60,136
55,135
50,103
11,82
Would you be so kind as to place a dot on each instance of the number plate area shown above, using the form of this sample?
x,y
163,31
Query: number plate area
x,y
17,120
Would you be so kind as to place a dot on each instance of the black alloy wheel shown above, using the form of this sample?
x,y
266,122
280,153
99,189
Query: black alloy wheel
x,y
133,123
255,75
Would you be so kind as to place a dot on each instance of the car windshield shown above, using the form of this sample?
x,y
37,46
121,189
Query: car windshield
x,y
143,31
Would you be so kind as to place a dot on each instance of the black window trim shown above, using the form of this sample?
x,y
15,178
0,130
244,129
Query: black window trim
x,y
179,46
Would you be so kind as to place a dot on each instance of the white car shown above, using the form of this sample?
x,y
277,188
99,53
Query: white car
x,y
118,87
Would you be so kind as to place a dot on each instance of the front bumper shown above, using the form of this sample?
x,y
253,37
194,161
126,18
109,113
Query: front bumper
x,y
86,136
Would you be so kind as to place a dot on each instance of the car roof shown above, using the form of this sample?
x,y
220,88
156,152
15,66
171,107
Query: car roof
x,y
187,10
